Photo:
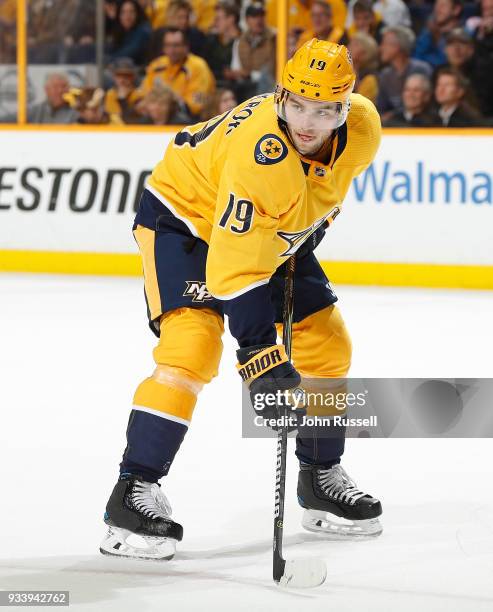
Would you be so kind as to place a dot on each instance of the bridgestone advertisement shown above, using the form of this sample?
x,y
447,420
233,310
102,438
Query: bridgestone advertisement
x,y
78,191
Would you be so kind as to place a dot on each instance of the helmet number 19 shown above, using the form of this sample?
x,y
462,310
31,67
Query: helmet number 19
x,y
318,64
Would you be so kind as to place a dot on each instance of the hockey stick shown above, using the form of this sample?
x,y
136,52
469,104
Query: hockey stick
x,y
298,573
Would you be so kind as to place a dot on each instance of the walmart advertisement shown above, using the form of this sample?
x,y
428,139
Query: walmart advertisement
x,y
419,203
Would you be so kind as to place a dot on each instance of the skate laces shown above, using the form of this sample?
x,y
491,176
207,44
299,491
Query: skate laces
x,y
148,498
335,482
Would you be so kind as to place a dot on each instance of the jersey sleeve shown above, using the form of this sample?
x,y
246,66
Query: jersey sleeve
x,y
242,254
364,133
242,249
371,135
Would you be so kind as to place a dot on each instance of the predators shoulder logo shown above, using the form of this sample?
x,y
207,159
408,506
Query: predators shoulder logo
x,y
296,239
270,149
197,291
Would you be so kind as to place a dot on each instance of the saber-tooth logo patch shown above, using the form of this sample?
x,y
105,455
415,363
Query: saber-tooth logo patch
x,y
197,291
296,239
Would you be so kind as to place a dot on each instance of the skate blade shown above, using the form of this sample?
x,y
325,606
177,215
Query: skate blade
x,y
337,528
116,544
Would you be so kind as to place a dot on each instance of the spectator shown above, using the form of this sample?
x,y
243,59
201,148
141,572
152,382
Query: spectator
x,y
416,98
222,101
254,55
219,46
481,27
450,91
365,20
155,11
393,12
187,74
339,13
54,109
123,99
298,14
132,33
8,16
299,18
89,104
459,50
364,51
322,25
79,40
110,18
47,26
178,15
395,50
430,45
204,11
162,107
225,100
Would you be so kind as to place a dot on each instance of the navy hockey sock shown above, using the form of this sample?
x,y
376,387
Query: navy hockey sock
x,y
152,443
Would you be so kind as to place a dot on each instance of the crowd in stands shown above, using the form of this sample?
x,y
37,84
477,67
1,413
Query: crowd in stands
x,y
424,63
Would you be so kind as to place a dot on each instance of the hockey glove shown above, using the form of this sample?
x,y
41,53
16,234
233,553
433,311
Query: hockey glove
x,y
273,383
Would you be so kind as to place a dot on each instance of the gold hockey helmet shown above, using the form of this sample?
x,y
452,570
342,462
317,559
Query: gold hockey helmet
x,y
320,71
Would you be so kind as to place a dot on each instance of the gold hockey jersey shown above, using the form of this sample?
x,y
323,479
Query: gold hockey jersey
x,y
239,184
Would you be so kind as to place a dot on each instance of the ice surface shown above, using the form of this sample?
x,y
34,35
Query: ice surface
x,y
73,350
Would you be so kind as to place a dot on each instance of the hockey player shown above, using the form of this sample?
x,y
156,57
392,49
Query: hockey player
x,y
232,199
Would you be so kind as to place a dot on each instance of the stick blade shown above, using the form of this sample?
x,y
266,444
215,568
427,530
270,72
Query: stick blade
x,y
303,573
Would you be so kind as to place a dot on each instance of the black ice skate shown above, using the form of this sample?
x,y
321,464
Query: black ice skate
x,y
334,505
139,510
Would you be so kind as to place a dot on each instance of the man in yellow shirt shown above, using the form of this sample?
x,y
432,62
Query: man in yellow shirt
x,y
188,75
232,199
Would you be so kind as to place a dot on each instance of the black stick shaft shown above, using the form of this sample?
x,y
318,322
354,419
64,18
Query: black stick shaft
x,y
282,435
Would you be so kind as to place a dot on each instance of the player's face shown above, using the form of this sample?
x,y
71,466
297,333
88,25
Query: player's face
x,y
310,123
